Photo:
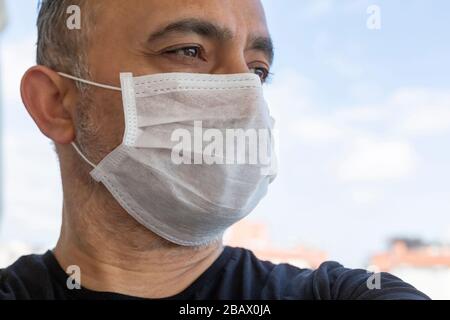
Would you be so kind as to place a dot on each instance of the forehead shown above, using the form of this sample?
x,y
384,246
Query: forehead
x,y
132,17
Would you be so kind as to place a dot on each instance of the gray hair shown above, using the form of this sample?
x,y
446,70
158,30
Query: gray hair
x,y
58,47
65,50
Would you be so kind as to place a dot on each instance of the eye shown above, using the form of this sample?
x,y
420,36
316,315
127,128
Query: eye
x,y
191,52
262,72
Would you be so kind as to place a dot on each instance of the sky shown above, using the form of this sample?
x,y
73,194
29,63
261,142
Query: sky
x,y
363,121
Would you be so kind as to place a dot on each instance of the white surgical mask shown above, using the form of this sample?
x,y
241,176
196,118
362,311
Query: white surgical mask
x,y
187,204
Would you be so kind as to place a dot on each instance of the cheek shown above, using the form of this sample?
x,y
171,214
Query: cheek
x,y
110,119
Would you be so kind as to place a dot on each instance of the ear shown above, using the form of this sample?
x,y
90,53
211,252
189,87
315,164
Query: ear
x,y
50,101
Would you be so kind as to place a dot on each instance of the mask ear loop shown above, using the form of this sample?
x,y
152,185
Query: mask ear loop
x,y
83,156
104,86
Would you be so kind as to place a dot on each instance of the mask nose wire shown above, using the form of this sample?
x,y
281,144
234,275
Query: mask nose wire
x,y
104,86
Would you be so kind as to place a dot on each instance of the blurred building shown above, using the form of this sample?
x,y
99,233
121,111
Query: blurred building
x,y
425,266
255,236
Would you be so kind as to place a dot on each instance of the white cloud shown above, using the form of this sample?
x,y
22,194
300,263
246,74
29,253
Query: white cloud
x,y
428,120
345,67
362,114
290,93
365,91
289,97
374,142
315,130
408,113
364,196
378,160
422,111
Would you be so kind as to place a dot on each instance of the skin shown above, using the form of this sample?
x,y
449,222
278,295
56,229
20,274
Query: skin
x,y
113,251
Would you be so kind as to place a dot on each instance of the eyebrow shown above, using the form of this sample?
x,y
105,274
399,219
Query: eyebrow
x,y
201,27
263,44
210,30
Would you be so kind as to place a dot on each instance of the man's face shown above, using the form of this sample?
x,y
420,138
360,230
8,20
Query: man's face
x,y
154,36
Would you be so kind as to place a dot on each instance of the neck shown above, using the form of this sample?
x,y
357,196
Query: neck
x,y
116,254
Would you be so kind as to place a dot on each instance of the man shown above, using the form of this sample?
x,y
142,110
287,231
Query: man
x,y
137,226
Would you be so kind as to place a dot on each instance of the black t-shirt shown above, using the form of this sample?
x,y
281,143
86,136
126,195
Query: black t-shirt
x,y
236,275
